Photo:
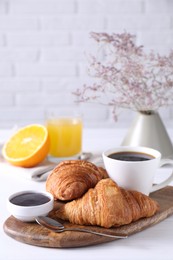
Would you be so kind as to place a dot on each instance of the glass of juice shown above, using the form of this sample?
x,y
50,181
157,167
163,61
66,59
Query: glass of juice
x,y
65,133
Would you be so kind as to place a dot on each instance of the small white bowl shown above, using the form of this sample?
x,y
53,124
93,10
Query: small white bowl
x,y
28,213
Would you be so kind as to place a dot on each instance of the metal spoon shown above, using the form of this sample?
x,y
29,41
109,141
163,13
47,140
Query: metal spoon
x,y
58,227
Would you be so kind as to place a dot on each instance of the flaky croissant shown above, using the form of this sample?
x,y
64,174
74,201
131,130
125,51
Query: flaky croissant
x,y
108,205
72,178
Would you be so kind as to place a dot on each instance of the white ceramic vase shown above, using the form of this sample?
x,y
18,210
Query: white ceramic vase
x,y
148,130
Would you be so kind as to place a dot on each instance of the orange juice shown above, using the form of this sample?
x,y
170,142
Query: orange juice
x,y
65,136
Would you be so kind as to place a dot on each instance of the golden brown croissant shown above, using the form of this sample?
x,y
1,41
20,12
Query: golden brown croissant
x,y
108,205
71,179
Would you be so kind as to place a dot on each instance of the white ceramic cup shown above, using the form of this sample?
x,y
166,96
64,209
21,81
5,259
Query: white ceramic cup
x,y
136,175
29,213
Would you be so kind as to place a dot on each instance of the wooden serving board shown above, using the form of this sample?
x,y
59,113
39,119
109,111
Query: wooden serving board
x,y
34,234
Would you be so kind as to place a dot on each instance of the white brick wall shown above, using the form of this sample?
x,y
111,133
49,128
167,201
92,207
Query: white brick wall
x,y
42,53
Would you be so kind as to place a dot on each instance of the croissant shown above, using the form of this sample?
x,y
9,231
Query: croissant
x,y
108,205
71,179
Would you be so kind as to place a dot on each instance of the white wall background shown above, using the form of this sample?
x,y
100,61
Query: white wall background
x,y
42,45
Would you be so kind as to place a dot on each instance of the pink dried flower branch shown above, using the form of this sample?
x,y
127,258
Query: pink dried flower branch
x,y
126,76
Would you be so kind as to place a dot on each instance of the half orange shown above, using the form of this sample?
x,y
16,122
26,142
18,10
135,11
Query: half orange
x,y
28,146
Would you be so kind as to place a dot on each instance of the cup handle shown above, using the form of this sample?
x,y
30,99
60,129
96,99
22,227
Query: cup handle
x,y
168,180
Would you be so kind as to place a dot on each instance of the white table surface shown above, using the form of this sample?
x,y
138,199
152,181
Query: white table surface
x,y
155,242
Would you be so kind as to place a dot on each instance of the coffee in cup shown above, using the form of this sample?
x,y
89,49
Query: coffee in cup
x,y
135,167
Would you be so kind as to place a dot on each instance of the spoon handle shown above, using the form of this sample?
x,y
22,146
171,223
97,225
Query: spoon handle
x,y
92,232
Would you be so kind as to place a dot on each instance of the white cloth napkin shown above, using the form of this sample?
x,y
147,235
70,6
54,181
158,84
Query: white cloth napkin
x,y
37,173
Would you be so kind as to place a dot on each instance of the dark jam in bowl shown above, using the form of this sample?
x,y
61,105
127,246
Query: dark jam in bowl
x,y
30,199
131,156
